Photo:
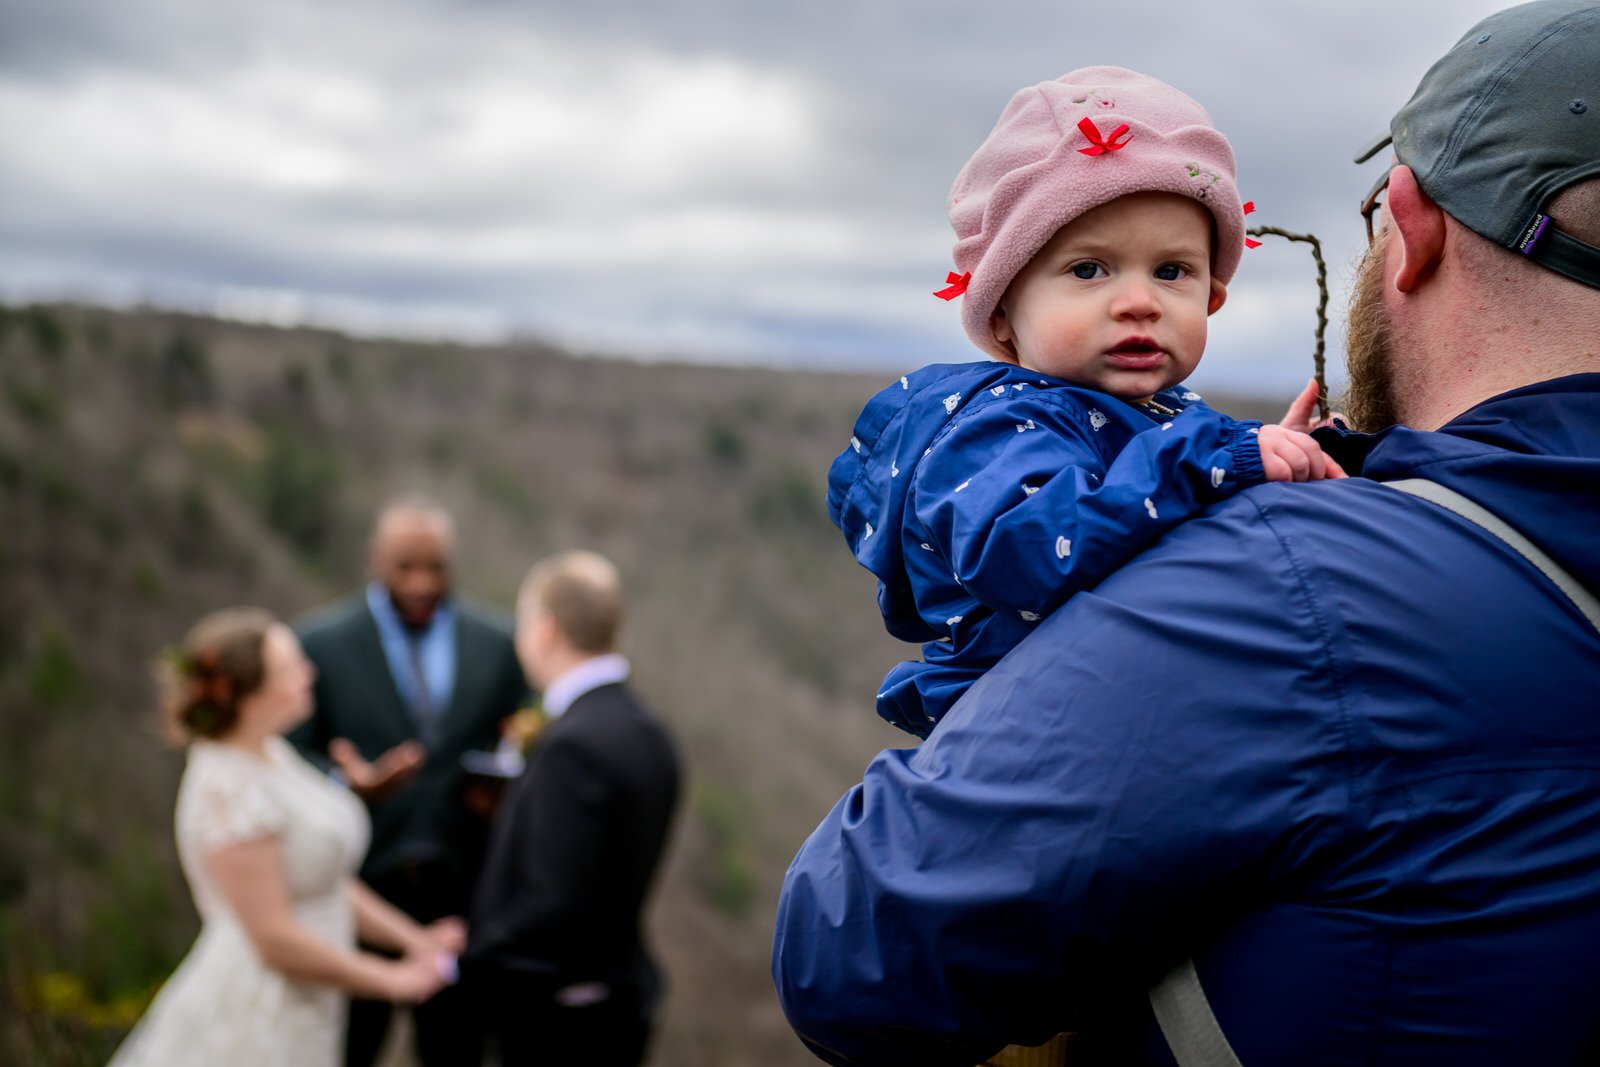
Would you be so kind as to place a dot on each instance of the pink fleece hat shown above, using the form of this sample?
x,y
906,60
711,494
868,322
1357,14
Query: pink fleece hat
x,y
1043,165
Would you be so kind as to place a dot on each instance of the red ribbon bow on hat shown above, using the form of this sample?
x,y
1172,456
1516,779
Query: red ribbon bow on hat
x,y
958,285
1098,144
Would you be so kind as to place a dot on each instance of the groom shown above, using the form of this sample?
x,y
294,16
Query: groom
x,y
555,951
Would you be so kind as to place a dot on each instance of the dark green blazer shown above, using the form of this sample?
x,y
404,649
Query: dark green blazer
x,y
356,698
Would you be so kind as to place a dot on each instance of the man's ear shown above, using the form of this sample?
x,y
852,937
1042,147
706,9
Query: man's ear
x,y
1000,326
1418,229
545,630
1219,296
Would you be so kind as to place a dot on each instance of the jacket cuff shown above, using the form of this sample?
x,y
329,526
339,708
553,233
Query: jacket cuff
x,y
1349,447
1244,454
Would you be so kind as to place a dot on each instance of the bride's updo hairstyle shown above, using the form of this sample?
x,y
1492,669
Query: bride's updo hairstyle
x,y
219,663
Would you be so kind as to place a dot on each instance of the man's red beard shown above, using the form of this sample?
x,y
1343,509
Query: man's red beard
x,y
1370,404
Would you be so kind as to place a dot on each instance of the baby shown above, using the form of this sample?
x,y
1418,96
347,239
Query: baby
x,y
1096,230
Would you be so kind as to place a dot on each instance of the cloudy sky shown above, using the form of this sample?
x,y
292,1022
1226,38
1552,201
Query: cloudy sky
x,y
717,179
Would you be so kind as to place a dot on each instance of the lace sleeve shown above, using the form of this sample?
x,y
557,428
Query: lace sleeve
x,y
232,804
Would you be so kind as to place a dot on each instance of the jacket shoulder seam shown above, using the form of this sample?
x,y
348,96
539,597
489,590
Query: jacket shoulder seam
x,y
1338,671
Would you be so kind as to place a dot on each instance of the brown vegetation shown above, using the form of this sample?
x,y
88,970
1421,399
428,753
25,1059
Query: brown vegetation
x,y
154,466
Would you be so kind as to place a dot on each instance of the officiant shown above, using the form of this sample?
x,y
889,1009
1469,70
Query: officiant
x,y
410,677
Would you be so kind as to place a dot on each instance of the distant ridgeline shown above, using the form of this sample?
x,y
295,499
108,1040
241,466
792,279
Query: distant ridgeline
x,y
155,465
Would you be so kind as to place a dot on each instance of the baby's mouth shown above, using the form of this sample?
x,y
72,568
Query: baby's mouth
x,y
1137,352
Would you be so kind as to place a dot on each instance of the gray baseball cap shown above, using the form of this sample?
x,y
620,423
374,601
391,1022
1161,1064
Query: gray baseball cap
x,y
1506,120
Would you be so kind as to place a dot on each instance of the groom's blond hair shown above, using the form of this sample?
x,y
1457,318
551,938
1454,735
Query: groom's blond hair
x,y
582,591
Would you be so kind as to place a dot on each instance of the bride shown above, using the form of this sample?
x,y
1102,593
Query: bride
x,y
269,846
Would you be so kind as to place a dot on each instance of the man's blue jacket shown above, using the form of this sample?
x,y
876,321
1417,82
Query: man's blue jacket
x,y
1338,744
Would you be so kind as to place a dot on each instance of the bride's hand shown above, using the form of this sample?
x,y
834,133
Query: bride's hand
x,y
415,977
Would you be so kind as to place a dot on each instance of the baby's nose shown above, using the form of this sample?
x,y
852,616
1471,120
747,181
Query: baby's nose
x,y
1135,298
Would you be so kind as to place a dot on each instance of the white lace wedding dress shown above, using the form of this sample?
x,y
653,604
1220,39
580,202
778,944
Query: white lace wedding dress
x,y
223,1007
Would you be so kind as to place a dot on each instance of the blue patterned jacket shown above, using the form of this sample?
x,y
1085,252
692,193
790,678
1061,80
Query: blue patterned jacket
x,y
983,495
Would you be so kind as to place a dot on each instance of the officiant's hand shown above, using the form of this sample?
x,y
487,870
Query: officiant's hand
x,y
383,776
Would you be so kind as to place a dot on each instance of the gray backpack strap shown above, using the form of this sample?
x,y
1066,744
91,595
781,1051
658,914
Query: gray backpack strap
x,y
1180,1004
1493,524
1187,1021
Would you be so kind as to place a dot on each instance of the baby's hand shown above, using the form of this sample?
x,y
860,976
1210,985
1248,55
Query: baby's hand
x,y
1293,456
1288,453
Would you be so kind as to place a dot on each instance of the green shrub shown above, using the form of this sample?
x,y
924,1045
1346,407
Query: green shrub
x,y
193,527
441,448
729,882
126,946
724,444
299,494
298,383
39,404
107,525
341,365
47,332
99,335
791,498
56,489
183,374
195,515
10,470
812,661
506,490
55,680
147,583
10,645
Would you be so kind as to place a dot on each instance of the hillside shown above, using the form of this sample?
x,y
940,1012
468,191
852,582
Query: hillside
x,y
154,466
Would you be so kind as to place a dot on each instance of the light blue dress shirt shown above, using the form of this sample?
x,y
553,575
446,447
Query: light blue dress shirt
x,y
435,655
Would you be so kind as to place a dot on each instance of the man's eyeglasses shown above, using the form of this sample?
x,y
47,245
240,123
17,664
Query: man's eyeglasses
x,y
1374,200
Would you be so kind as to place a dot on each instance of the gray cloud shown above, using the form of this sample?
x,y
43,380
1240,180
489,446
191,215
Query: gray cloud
x,y
692,177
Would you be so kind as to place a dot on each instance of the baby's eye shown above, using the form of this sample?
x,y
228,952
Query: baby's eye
x,y
1086,270
1170,272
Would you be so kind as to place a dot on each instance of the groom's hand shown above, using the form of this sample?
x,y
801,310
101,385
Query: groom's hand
x,y
446,935
380,778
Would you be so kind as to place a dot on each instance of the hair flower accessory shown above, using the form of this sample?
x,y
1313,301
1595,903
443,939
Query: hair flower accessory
x,y
203,677
1100,144
212,689
956,285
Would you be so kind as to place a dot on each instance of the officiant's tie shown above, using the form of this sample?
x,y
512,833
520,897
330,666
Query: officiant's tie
x,y
422,706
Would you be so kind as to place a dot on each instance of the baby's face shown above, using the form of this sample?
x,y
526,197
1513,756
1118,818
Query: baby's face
x,y
1118,298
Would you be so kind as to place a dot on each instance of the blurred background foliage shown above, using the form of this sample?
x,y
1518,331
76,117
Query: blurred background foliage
x,y
154,466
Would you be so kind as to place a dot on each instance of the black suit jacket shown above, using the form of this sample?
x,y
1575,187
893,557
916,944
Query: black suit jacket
x,y
575,847
356,698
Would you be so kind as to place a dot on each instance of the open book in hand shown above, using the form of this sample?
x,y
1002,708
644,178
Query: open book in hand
x,y
501,765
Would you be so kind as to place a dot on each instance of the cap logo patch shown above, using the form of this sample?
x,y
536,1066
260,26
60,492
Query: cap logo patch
x,y
1531,235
